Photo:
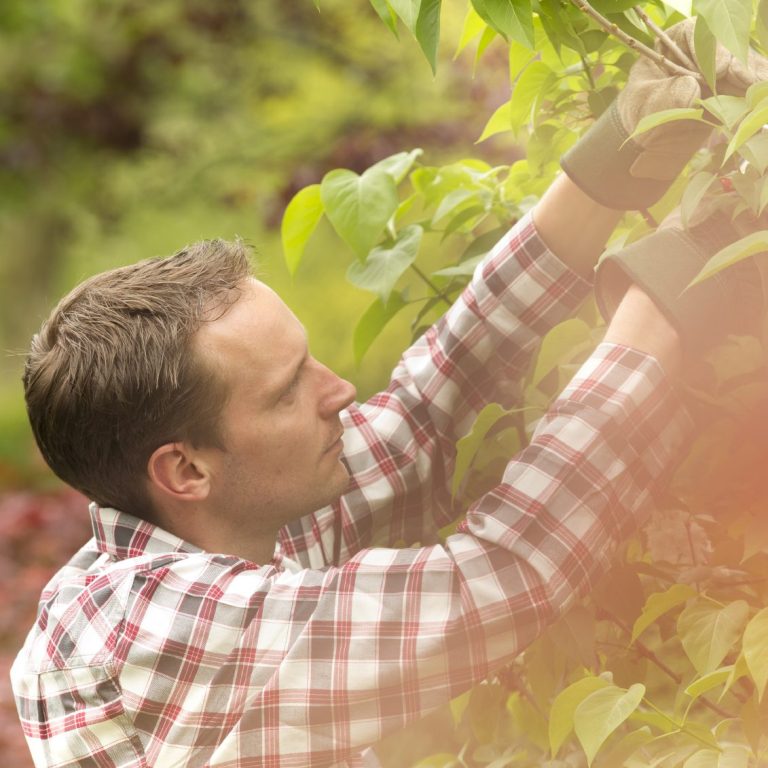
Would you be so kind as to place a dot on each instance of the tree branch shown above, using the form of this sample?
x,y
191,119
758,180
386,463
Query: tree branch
x,y
674,48
635,45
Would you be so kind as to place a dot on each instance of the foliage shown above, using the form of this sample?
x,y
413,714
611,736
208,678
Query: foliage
x,y
129,129
666,664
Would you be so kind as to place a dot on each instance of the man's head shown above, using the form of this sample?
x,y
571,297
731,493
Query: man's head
x,y
181,382
112,373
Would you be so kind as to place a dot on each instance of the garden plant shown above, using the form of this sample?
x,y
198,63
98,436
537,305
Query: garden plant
x,y
665,663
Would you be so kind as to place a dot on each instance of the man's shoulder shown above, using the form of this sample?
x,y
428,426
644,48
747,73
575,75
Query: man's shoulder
x,y
93,608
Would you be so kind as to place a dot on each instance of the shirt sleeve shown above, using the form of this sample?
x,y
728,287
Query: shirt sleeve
x,y
400,445
193,658
395,633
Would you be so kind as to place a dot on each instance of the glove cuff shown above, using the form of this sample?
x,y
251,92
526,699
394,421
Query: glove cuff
x,y
600,165
664,263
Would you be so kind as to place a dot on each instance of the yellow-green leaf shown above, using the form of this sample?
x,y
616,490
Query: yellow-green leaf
x,y
601,713
299,222
660,603
707,632
752,244
755,644
730,19
705,45
751,124
373,321
564,706
668,116
467,446
472,27
359,207
500,121
708,682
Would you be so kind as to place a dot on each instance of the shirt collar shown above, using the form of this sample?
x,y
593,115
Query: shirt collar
x,y
124,536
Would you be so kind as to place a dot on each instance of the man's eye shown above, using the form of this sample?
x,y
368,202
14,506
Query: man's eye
x,y
287,393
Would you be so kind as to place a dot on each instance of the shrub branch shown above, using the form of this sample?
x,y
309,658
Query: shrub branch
x,y
613,29
681,56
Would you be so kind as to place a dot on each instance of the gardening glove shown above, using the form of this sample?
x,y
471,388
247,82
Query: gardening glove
x,y
630,174
663,264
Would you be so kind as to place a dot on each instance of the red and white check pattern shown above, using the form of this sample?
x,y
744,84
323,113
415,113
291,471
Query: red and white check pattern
x,y
150,652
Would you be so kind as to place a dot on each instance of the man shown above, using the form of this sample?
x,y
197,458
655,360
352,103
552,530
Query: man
x,y
245,607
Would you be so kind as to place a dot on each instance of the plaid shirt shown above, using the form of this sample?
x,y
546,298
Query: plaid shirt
x,y
150,652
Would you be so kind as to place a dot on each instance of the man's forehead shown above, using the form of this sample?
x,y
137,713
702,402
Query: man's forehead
x,y
258,333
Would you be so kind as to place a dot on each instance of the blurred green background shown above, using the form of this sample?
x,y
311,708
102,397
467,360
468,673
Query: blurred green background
x,y
129,128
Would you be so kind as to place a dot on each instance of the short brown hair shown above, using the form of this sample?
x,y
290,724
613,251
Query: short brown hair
x,y
112,374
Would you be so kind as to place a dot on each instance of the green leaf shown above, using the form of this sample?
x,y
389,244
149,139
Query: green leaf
x,y
762,23
613,6
697,187
359,207
757,93
755,645
300,219
427,30
386,14
465,269
440,760
560,346
373,322
668,116
731,756
707,632
727,109
564,706
751,124
601,713
451,202
751,245
511,18
408,11
532,86
708,682
703,758
488,36
467,446
385,264
685,7
660,603
398,165
705,45
500,121
472,27
731,19
755,152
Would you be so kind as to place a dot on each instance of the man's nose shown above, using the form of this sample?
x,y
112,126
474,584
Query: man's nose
x,y
338,393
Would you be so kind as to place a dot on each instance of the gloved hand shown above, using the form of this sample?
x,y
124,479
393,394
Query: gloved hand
x,y
664,263
633,174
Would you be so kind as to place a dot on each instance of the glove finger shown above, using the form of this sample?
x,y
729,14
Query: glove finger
x,y
739,77
655,95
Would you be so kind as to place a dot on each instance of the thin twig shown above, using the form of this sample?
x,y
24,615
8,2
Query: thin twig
x,y
432,286
674,48
643,650
635,45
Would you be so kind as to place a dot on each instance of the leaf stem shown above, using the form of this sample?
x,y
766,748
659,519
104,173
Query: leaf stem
x,y
634,44
432,286
588,71
681,726
644,651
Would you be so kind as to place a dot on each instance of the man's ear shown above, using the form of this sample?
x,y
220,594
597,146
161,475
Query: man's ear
x,y
175,471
